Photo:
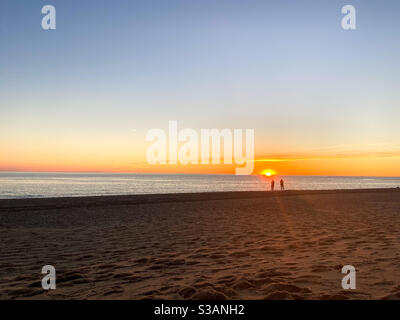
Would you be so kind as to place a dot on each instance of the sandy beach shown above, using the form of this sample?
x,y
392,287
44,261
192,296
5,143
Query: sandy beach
x,y
230,245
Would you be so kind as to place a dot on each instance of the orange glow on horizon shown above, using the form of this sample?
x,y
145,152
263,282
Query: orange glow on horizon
x,y
389,167
122,159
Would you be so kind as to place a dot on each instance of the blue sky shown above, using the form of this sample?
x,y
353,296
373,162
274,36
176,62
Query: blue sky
x,y
285,68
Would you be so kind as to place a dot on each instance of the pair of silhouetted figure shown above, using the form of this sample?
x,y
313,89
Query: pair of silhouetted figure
x,y
282,183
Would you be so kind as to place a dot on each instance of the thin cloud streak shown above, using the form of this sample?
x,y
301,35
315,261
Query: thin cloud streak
x,y
287,158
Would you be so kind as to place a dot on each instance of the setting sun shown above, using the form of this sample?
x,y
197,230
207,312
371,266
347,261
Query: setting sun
x,y
268,172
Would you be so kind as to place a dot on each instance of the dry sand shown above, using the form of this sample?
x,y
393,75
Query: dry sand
x,y
248,245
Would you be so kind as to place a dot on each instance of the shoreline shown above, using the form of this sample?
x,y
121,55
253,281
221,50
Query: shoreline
x,y
136,199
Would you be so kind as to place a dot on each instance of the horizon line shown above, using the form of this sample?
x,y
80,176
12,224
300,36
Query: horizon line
x,y
183,173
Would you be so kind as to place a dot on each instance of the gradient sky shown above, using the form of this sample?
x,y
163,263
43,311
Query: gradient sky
x,y
322,100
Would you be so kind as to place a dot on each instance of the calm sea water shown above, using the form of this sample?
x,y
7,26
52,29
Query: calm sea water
x,y
38,185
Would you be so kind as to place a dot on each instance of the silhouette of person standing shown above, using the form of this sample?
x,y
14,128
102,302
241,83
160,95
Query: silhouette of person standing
x,y
282,185
272,185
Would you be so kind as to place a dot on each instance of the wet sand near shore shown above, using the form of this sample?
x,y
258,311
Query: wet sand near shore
x,y
225,245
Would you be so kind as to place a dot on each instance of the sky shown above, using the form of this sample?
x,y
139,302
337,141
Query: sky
x,y
322,100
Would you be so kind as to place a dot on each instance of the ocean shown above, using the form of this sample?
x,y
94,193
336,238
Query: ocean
x,y
15,185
